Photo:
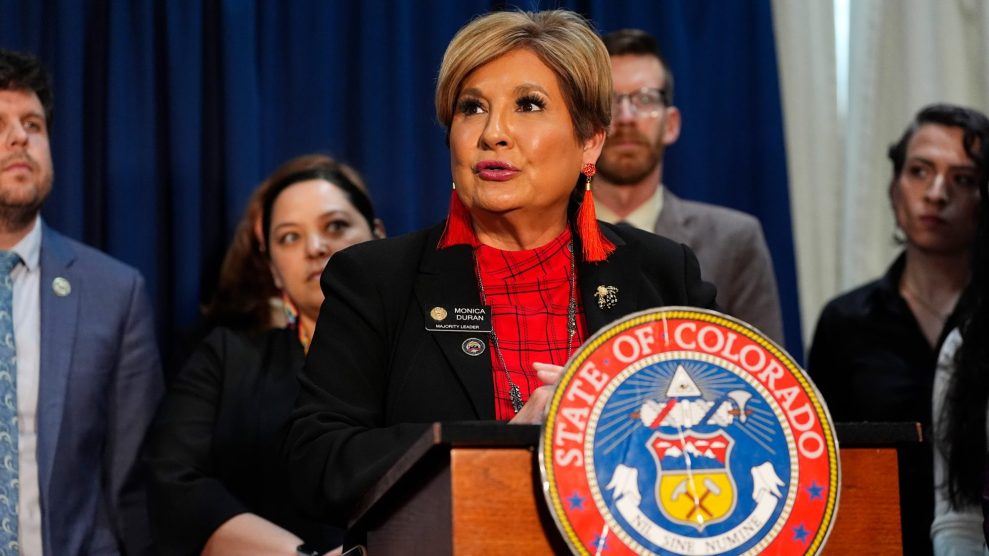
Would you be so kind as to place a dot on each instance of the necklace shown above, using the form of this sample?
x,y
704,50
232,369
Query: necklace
x,y
924,304
513,389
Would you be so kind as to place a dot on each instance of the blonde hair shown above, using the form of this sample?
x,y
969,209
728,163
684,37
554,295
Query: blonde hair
x,y
562,39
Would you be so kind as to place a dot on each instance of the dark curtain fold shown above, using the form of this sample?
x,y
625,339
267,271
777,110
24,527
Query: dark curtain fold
x,y
169,113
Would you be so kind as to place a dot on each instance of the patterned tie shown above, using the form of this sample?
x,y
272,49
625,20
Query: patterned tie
x,y
8,408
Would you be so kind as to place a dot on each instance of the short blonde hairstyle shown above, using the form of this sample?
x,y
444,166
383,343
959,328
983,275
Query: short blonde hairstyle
x,y
562,39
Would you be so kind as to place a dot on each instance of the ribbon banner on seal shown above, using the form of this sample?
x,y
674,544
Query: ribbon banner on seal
x,y
685,431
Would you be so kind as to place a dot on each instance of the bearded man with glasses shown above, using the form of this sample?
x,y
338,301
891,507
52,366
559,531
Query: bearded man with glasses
x,y
729,244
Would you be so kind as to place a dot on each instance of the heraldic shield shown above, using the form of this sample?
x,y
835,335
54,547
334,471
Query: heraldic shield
x,y
689,433
695,485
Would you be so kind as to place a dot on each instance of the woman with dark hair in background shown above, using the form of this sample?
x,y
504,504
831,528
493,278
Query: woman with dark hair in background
x,y
247,297
961,388
218,484
875,348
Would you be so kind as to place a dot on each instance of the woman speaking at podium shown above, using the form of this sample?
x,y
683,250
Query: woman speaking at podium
x,y
471,319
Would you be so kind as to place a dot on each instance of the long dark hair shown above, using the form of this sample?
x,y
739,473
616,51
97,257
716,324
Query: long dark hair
x,y
963,435
245,285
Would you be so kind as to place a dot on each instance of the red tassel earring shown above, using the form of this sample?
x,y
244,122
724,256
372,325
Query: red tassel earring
x,y
458,229
596,247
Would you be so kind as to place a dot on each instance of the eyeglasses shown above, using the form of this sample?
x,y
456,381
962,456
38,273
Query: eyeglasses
x,y
647,102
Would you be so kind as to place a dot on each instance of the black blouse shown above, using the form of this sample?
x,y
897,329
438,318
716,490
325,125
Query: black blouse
x,y
215,449
869,357
872,362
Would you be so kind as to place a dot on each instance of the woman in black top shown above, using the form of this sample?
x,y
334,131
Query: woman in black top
x,y
218,483
875,348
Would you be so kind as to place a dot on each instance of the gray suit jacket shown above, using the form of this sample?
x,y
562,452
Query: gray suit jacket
x,y
733,256
100,383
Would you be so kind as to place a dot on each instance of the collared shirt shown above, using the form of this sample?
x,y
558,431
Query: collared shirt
x,y
869,357
644,216
529,293
27,336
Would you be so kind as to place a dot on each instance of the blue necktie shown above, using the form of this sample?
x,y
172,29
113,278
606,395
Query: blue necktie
x,y
9,485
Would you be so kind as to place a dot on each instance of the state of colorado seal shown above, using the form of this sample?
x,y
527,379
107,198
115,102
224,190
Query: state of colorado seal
x,y
684,431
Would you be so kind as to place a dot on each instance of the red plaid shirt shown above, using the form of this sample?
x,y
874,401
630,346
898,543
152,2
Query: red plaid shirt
x,y
529,292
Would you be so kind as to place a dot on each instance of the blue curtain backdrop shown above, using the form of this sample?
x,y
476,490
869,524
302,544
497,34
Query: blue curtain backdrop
x,y
169,113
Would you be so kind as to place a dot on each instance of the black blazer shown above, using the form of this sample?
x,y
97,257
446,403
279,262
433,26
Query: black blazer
x,y
215,447
375,376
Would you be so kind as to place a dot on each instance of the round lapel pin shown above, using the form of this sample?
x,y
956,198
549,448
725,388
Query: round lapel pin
x,y
61,286
473,347
437,313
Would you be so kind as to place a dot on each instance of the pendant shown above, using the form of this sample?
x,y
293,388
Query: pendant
x,y
516,397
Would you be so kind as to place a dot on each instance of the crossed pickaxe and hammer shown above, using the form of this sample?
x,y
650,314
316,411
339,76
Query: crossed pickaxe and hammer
x,y
710,487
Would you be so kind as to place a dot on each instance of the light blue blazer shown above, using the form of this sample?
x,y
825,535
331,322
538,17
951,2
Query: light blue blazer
x,y
100,385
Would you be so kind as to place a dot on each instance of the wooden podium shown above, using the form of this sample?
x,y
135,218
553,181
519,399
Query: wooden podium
x,y
474,488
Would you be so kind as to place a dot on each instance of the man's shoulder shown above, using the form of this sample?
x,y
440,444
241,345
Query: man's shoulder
x,y
652,246
83,258
710,229
718,215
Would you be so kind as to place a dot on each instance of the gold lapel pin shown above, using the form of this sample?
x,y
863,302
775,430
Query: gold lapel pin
x,y
437,313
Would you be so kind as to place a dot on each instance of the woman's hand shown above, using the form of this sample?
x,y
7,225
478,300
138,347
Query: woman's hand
x,y
534,410
250,535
